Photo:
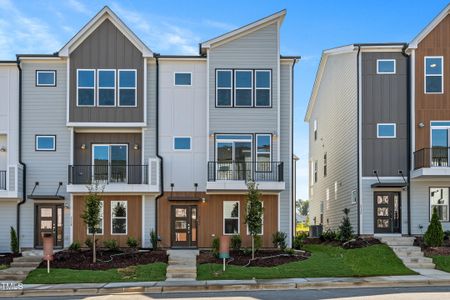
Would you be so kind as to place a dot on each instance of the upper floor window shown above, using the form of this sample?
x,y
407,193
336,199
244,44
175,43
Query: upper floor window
x,y
263,152
316,166
127,88
224,87
106,92
315,130
263,88
434,75
325,165
45,143
45,78
385,66
183,78
182,143
85,87
386,130
243,92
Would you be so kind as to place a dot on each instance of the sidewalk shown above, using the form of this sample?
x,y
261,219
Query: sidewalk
x,y
432,277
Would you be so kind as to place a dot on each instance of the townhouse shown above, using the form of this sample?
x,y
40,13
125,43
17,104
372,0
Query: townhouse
x,y
378,134
169,140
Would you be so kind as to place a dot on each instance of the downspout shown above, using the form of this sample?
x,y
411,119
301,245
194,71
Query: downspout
x,y
408,130
293,213
24,171
161,174
358,203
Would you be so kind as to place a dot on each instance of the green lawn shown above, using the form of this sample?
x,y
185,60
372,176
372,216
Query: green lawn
x,y
442,262
2,267
326,261
150,272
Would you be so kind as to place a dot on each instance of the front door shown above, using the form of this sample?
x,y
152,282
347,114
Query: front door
x,y
387,212
184,226
49,219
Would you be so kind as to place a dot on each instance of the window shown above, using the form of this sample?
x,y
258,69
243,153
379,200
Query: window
x,y
234,156
263,152
315,130
439,144
328,198
85,87
119,217
434,75
110,163
263,88
335,190
127,88
325,165
243,92
354,197
101,223
439,201
262,222
311,170
45,143
106,92
386,130
230,217
224,88
385,66
315,171
45,78
181,143
183,78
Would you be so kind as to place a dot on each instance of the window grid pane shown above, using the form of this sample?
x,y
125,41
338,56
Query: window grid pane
x,y
243,88
45,143
127,88
183,79
231,217
45,78
119,217
433,75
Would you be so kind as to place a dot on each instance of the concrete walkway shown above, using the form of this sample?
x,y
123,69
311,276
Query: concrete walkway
x,y
35,290
21,266
182,265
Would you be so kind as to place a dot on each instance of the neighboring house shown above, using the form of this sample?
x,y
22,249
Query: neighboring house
x,y
170,140
379,120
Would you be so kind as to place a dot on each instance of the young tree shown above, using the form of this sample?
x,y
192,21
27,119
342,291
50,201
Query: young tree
x,y
434,236
346,229
302,207
254,213
91,215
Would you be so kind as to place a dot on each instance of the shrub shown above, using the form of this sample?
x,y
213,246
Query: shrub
x,y
75,246
14,243
247,251
258,243
132,242
329,235
111,245
434,236
345,229
89,244
215,246
298,240
154,239
279,240
447,235
289,251
236,242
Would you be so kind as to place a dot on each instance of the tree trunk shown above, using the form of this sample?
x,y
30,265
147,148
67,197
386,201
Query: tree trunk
x,y
94,252
253,247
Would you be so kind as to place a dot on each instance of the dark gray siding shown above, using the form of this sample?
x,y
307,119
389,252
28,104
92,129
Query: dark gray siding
x,y
106,48
384,100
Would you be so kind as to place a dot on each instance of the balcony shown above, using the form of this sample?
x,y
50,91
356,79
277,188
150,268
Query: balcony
x,y
11,181
115,178
431,162
235,175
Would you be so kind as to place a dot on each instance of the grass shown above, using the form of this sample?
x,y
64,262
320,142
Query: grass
x,y
2,267
150,272
442,262
326,261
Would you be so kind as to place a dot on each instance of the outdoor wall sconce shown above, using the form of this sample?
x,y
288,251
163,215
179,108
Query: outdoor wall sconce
x,y
83,147
3,149
203,200
421,125
136,147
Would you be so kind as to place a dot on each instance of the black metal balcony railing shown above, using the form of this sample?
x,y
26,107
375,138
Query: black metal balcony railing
x,y
247,171
431,157
2,180
108,174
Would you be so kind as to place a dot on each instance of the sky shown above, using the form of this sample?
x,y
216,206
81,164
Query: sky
x,y
176,27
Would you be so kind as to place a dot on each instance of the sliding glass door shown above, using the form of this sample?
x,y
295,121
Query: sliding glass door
x,y
439,147
110,163
234,157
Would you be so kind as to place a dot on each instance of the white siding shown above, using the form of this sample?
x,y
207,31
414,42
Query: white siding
x,y
149,219
149,147
8,219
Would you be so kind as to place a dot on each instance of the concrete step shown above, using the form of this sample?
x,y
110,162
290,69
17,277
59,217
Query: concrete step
x,y
12,277
21,264
182,262
27,259
407,260
181,270
182,276
398,241
17,271
420,265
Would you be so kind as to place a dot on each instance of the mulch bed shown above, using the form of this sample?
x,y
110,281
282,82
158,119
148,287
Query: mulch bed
x,y
7,258
359,242
441,251
263,258
82,260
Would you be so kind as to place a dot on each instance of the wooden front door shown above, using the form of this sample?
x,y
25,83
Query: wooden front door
x,y
184,226
49,219
387,212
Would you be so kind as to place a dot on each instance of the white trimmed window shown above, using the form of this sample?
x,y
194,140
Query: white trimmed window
x,y
231,217
354,197
263,152
106,92
439,198
386,66
127,88
86,87
316,166
101,223
325,161
335,190
182,143
224,88
45,143
182,79
434,74
327,192
263,80
243,91
386,130
262,222
315,130
45,78
119,217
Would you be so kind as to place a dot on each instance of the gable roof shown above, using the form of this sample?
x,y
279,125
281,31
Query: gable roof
x,y
415,42
96,21
278,16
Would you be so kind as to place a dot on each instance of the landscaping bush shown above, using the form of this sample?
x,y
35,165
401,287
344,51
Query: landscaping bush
x,y
89,244
111,245
75,246
14,243
345,229
258,243
447,235
215,246
289,251
154,239
299,240
434,235
247,251
279,240
329,235
132,242
236,242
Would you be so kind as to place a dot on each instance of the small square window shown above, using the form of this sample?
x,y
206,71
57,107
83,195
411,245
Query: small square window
x,y
45,78
182,143
386,130
183,79
45,143
385,66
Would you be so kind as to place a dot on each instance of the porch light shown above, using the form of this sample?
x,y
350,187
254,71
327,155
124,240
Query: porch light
x,y
136,147
421,125
3,149
83,147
